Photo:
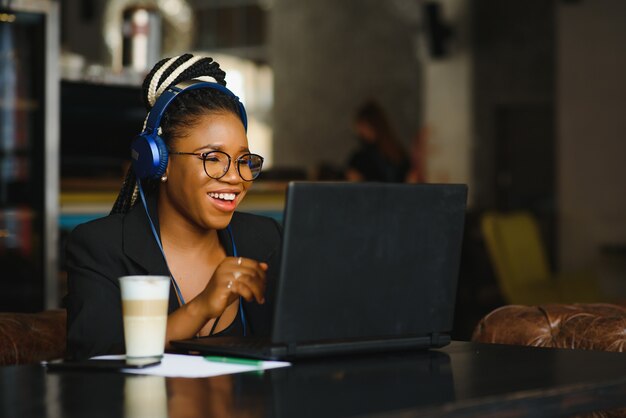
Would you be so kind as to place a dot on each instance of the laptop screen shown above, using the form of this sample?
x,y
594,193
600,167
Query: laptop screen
x,y
368,260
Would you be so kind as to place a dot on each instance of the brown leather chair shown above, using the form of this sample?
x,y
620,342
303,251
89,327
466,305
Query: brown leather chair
x,y
589,326
32,337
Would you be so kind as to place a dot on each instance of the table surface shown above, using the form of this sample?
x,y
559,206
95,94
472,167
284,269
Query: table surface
x,y
460,380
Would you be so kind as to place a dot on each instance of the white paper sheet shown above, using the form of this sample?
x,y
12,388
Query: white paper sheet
x,y
180,365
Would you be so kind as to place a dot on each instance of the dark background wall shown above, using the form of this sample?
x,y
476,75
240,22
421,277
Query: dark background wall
x,y
514,108
591,127
514,91
81,29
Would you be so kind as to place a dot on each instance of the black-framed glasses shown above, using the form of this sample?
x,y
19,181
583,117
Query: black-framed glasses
x,y
217,163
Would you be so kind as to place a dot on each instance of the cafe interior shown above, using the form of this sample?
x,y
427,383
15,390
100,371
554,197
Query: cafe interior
x,y
522,101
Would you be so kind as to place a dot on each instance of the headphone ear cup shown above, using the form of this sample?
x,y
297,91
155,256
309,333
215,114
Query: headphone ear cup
x,y
164,157
149,156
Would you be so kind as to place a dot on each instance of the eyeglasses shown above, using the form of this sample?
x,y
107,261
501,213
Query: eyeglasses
x,y
217,163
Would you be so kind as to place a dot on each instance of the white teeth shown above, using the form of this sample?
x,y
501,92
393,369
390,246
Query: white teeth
x,y
223,196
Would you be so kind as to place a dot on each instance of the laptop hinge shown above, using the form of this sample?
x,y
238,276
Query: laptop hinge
x,y
439,340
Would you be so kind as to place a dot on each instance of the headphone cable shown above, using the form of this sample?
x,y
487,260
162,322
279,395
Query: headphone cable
x,y
179,295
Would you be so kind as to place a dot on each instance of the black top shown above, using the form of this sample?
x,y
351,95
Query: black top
x,y
101,251
373,166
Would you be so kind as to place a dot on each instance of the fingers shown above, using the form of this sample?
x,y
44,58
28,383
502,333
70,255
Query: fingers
x,y
234,277
247,287
247,278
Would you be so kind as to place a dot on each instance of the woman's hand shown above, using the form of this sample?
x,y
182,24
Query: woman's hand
x,y
234,277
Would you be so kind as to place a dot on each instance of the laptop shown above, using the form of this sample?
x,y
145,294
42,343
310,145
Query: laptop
x,y
365,267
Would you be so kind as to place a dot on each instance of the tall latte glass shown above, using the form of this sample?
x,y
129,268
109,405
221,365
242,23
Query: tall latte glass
x,y
144,309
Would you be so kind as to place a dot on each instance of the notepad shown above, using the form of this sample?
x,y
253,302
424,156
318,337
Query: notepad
x,y
181,365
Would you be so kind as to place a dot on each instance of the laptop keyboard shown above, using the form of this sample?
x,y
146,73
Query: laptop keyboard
x,y
245,346
248,343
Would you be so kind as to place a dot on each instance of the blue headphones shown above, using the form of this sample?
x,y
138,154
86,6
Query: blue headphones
x,y
148,151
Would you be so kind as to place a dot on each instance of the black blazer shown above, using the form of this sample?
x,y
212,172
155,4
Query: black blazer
x,y
101,251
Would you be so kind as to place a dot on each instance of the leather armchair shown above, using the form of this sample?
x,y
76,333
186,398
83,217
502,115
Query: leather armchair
x,y
589,326
32,337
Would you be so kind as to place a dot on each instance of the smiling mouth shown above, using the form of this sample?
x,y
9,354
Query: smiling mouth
x,y
228,197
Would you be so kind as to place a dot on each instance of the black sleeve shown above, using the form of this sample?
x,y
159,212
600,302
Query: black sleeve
x,y
94,312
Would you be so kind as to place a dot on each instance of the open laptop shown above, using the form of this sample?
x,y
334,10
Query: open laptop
x,y
364,267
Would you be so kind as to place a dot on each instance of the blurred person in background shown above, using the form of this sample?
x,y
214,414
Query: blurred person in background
x,y
380,157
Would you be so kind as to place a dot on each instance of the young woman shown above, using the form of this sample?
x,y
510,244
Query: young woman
x,y
222,262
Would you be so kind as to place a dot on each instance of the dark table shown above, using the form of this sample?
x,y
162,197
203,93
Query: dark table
x,y
460,380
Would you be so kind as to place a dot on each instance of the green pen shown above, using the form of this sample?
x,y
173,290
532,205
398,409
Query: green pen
x,y
234,360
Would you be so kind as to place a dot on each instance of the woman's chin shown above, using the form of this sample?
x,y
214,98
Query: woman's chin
x,y
220,221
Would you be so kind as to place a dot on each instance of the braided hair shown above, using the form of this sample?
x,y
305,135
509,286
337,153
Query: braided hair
x,y
181,114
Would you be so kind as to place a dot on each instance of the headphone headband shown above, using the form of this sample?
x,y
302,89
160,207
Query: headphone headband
x,y
148,151
164,100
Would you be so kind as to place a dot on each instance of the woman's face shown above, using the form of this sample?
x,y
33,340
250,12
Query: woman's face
x,y
200,200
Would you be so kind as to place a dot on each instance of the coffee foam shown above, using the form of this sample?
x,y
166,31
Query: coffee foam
x,y
145,287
